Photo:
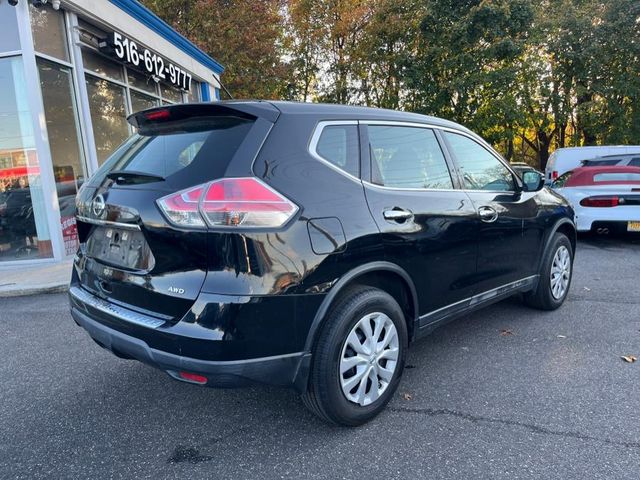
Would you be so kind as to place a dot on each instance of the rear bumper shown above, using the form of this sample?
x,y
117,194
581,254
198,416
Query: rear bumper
x,y
588,218
232,340
284,370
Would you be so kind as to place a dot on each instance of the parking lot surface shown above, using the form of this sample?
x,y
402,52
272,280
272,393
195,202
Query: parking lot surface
x,y
508,392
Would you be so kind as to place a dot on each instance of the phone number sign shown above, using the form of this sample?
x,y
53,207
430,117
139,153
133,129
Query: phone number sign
x,y
128,51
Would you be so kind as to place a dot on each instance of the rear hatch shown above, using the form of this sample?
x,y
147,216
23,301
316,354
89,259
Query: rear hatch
x,y
129,253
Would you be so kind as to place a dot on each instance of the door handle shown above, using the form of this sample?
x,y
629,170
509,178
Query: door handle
x,y
397,215
487,214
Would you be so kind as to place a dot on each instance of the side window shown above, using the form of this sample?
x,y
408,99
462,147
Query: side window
x,y
480,169
407,157
338,145
635,162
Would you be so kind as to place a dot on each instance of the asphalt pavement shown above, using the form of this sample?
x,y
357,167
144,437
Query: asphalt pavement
x,y
507,392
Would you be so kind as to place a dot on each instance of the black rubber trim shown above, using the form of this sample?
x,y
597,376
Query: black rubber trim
x,y
552,232
279,370
347,279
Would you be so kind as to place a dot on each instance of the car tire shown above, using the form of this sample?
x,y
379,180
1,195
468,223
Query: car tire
x,y
557,263
352,324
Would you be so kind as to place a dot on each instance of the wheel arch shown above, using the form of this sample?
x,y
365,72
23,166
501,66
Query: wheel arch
x,y
384,275
565,226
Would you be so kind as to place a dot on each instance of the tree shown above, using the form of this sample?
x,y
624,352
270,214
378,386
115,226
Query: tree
x,y
466,64
528,75
246,36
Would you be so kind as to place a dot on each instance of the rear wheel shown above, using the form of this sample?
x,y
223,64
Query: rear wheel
x,y
358,359
555,275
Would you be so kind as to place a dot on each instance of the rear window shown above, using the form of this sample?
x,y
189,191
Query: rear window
x,y
616,177
204,147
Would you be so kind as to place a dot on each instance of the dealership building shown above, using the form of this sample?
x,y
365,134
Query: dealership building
x,y
71,71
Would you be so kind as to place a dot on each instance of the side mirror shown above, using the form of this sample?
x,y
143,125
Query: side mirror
x,y
532,181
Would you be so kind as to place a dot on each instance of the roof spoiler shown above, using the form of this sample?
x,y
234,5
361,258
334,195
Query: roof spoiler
x,y
247,110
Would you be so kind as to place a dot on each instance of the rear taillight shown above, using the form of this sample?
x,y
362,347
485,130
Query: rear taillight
x,y
554,175
228,202
600,202
182,208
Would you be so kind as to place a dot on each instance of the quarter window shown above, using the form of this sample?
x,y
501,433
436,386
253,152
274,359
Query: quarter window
x,y
480,169
338,144
407,157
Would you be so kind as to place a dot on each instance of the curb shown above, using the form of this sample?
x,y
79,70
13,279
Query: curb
x,y
44,289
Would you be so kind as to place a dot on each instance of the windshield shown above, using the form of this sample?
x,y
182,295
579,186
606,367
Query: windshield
x,y
207,146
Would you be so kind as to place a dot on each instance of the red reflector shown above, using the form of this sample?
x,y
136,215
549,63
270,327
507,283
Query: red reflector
x,y
554,175
157,115
600,202
193,377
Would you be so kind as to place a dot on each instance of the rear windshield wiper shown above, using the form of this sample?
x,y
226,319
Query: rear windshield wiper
x,y
131,176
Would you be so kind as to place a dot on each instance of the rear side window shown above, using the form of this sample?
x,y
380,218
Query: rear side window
x,y
635,162
616,177
206,147
338,145
480,169
407,157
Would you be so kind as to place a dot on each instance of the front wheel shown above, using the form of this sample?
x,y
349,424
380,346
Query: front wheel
x,y
358,359
555,275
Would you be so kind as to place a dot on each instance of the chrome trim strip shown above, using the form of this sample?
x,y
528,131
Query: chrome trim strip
x,y
407,189
114,310
95,221
313,143
478,299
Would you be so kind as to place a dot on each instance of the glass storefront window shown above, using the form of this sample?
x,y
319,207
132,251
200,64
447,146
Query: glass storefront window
x,y
64,142
140,101
108,115
24,233
47,26
142,82
97,63
193,95
171,94
9,28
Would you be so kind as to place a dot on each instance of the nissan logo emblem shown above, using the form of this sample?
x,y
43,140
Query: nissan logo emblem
x,y
98,206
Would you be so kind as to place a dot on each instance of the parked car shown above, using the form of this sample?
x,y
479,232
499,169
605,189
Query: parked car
x,y
521,167
565,159
630,159
604,198
305,245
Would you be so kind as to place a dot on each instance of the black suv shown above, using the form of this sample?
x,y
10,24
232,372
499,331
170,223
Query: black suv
x,y
305,245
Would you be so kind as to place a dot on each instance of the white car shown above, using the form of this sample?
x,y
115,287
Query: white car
x,y
604,198
565,159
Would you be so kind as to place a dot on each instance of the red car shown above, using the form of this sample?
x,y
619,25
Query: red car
x,y
604,198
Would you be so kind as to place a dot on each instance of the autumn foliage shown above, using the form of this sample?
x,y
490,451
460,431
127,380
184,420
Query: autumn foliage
x,y
528,75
